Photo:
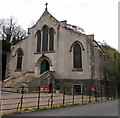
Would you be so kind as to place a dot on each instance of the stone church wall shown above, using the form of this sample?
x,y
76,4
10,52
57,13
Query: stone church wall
x,y
13,58
61,58
67,38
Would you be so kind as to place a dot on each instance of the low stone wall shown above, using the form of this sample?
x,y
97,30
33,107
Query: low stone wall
x,y
18,81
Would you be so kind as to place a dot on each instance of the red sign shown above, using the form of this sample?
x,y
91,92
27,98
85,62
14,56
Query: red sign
x,y
46,89
92,89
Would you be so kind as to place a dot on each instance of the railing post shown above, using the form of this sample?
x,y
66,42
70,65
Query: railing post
x,y
52,97
63,95
89,94
38,97
101,93
107,88
95,94
116,92
22,98
82,94
110,93
73,95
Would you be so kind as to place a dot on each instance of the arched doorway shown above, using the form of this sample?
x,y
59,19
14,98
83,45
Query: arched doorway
x,y
44,66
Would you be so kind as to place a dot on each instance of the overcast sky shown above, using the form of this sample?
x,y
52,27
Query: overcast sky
x,y
98,17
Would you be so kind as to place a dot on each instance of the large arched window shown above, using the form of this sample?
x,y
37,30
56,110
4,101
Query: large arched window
x,y
38,41
77,56
45,39
19,60
51,41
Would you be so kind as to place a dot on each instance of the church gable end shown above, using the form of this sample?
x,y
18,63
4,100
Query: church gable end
x,y
46,17
57,47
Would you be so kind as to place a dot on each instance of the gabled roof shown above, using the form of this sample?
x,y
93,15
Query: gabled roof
x,y
73,28
98,46
44,13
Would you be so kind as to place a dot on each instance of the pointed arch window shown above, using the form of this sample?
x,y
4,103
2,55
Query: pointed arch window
x,y
38,41
45,39
19,60
77,56
51,41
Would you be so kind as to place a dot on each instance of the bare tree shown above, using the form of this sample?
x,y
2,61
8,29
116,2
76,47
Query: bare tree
x,y
10,31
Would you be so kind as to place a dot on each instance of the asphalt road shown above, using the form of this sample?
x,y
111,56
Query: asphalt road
x,y
109,108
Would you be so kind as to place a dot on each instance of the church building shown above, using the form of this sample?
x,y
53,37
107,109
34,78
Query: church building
x,y
55,49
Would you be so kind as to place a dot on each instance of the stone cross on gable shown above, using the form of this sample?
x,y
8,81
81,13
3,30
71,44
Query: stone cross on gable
x,y
46,6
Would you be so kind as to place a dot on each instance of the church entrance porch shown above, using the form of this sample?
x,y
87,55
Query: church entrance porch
x,y
43,64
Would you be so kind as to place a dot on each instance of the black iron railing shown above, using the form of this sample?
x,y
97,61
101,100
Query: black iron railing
x,y
17,101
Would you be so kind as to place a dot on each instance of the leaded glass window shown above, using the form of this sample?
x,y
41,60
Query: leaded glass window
x,y
19,60
38,41
77,56
51,41
45,39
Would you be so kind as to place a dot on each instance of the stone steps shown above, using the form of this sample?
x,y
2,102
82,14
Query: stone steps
x,y
18,81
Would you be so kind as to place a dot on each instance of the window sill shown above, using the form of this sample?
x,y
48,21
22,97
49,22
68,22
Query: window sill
x,y
18,70
44,52
77,69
